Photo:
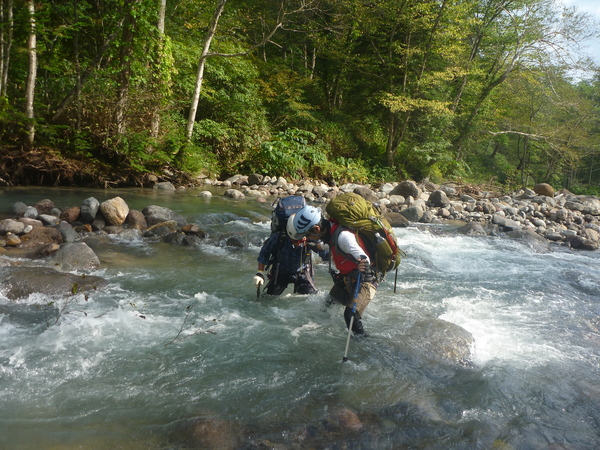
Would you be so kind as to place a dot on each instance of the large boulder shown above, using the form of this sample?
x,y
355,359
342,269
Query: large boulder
x,y
88,210
438,199
407,188
544,189
19,282
366,193
532,239
438,339
114,210
11,226
396,219
40,237
413,213
159,214
472,229
136,220
76,256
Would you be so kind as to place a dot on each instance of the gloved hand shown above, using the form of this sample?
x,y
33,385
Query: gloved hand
x,y
317,246
363,264
259,278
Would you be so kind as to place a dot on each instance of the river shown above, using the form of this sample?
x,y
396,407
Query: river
x,y
179,343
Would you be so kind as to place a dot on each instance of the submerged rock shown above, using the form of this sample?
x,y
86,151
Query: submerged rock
x,y
20,282
439,339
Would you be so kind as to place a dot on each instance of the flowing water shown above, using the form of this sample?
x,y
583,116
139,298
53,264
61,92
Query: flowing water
x,y
179,344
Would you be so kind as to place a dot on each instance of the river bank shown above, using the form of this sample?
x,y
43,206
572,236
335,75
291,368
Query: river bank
x,y
539,215
560,217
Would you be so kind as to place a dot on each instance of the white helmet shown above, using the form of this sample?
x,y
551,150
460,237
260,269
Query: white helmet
x,y
306,218
291,231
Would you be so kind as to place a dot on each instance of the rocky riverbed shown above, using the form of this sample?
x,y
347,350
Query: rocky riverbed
x,y
539,215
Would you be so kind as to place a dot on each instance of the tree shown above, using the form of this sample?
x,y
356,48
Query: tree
x,y
31,75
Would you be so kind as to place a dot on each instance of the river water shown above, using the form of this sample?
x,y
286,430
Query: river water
x,y
178,351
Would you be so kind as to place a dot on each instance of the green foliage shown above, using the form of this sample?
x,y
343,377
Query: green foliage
x,y
344,169
140,153
354,91
292,153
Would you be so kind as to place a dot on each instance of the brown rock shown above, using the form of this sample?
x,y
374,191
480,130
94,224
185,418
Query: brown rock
x,y
12,240
44,206
71,214
40,237
544,189
136,220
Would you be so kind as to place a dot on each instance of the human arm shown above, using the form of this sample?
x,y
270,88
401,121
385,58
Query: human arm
x,y
348,243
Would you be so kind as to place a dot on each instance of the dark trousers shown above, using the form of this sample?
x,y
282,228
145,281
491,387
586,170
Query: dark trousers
x,y
303,284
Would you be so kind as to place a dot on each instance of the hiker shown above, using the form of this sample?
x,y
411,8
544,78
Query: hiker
x,y
282,260
350,257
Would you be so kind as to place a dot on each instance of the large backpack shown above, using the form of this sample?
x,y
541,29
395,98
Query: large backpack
x,y
354,212
285,207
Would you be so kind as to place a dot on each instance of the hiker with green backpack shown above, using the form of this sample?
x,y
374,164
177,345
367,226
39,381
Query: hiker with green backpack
x,y
363,249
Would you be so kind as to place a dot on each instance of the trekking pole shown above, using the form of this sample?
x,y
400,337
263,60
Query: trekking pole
x,y
258,291
395,280
356,291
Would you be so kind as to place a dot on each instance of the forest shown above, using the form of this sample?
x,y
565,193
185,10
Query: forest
x,y
106,92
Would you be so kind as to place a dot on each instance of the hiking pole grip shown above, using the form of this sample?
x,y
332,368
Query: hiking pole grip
x,y
356,291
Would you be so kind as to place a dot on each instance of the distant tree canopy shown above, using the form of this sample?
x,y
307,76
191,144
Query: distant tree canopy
x,y
358,90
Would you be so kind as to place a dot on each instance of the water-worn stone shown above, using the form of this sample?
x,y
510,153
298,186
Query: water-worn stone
x,y
366,193
164,186
44,206
413,213
68,232
89,210
48,220
76,256
472,229
39,237
158,214
70,214
532,239
438,199
114,210
11,226
136,220
20,282
544,189
407,188
439,339
396,219
234,193
11,239
17,209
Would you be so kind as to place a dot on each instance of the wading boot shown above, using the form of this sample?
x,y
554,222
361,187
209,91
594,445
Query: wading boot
x,y
357,326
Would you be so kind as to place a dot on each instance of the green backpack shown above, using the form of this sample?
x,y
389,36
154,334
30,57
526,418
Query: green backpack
x,y
354,212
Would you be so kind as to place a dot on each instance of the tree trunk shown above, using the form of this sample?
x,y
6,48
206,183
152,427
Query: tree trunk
x,y
200,74
125,74
7,37
31,76
155,125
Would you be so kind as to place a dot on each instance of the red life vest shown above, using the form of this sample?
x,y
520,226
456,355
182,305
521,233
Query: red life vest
x,y
344,262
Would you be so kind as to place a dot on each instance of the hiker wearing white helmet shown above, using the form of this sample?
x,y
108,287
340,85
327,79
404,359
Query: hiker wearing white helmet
x,y
285,259
350,257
